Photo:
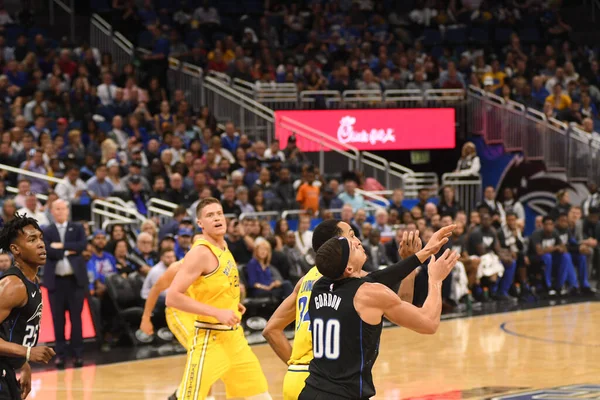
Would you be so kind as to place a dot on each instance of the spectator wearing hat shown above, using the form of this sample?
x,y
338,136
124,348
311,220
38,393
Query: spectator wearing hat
x,y
329,200
101,264
172,226
251,171
137,195
72,189
293,155
183,242
61,127
114,176
35,163
135,169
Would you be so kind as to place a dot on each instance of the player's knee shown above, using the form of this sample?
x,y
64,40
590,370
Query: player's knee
x,y
262,396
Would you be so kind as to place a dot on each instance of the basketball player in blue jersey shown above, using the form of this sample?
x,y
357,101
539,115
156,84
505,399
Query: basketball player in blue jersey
x,y
21,306
346,314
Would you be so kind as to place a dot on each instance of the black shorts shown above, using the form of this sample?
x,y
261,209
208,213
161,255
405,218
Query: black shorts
x,y
310,393
9,387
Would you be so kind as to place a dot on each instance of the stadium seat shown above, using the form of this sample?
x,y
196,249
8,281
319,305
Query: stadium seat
x,y
255,305
432,37
126,302
136,280
530,35
456,36
479,35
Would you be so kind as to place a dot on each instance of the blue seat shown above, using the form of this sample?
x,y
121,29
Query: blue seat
x,y
479,35
456,36
145,39
432,37
502,35
437,52
100,5
530,35
192,37
75,125
104,126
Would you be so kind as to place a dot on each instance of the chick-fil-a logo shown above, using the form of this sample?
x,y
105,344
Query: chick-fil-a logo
x,y
347,134
370,130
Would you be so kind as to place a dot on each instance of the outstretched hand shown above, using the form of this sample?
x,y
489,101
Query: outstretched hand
x,y
440,268
410,244
439,239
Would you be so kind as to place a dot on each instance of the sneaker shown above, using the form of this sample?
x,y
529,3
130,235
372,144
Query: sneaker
x,y
504,298
165,334
588,292
142,337
552,293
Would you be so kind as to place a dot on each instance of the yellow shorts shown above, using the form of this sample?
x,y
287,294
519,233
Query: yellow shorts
x,y
181,325
294,380
223,355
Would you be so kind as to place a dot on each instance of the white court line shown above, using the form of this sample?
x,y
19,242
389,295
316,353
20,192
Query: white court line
x,y
393,326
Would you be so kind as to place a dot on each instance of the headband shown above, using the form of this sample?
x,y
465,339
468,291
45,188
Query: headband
x,y
345,254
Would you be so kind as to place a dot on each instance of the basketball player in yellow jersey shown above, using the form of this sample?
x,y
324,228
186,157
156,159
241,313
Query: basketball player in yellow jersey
x,y
295,306
207,286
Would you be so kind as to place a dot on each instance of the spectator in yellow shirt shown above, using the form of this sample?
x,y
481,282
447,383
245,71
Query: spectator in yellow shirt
x,y
558,98
497,75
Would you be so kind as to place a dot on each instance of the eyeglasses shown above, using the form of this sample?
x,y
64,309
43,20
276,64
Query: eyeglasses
x,y
31,193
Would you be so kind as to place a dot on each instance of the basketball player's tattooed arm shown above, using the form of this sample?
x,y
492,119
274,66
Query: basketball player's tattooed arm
x,y
281,318
395,273
161,285
14,295
372,300
198,261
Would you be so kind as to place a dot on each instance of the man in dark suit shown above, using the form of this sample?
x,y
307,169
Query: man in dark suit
x,y
376,256
65,277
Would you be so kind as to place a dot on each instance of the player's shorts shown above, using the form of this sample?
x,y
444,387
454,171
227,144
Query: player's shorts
x,y
9,386
294,380
181,325
221,354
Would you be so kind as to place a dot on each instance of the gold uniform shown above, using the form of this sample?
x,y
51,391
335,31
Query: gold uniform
x,y
217,351
302,351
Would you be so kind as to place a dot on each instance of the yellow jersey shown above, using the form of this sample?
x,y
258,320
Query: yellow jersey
x,y
302,349
220,288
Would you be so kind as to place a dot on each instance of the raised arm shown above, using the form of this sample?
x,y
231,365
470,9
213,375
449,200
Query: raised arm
x,y
395,273
198,261
160,286
372,300
281,318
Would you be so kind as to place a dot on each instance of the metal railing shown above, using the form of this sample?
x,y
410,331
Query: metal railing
x,y
103,211
467,189
105,39
563,148
69,9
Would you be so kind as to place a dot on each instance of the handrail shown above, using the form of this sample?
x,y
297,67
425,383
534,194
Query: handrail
x,y
294,212
247,99
161,202
160,211
39,196
320,135
449,176
536,113
98,19
128,210
117,200
258,214
365,193
25,172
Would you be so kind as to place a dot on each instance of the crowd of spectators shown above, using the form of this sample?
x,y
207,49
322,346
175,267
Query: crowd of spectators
x,y
69,112
519,50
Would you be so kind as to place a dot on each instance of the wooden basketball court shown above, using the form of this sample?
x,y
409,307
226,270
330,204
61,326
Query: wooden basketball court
x,y
476,358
